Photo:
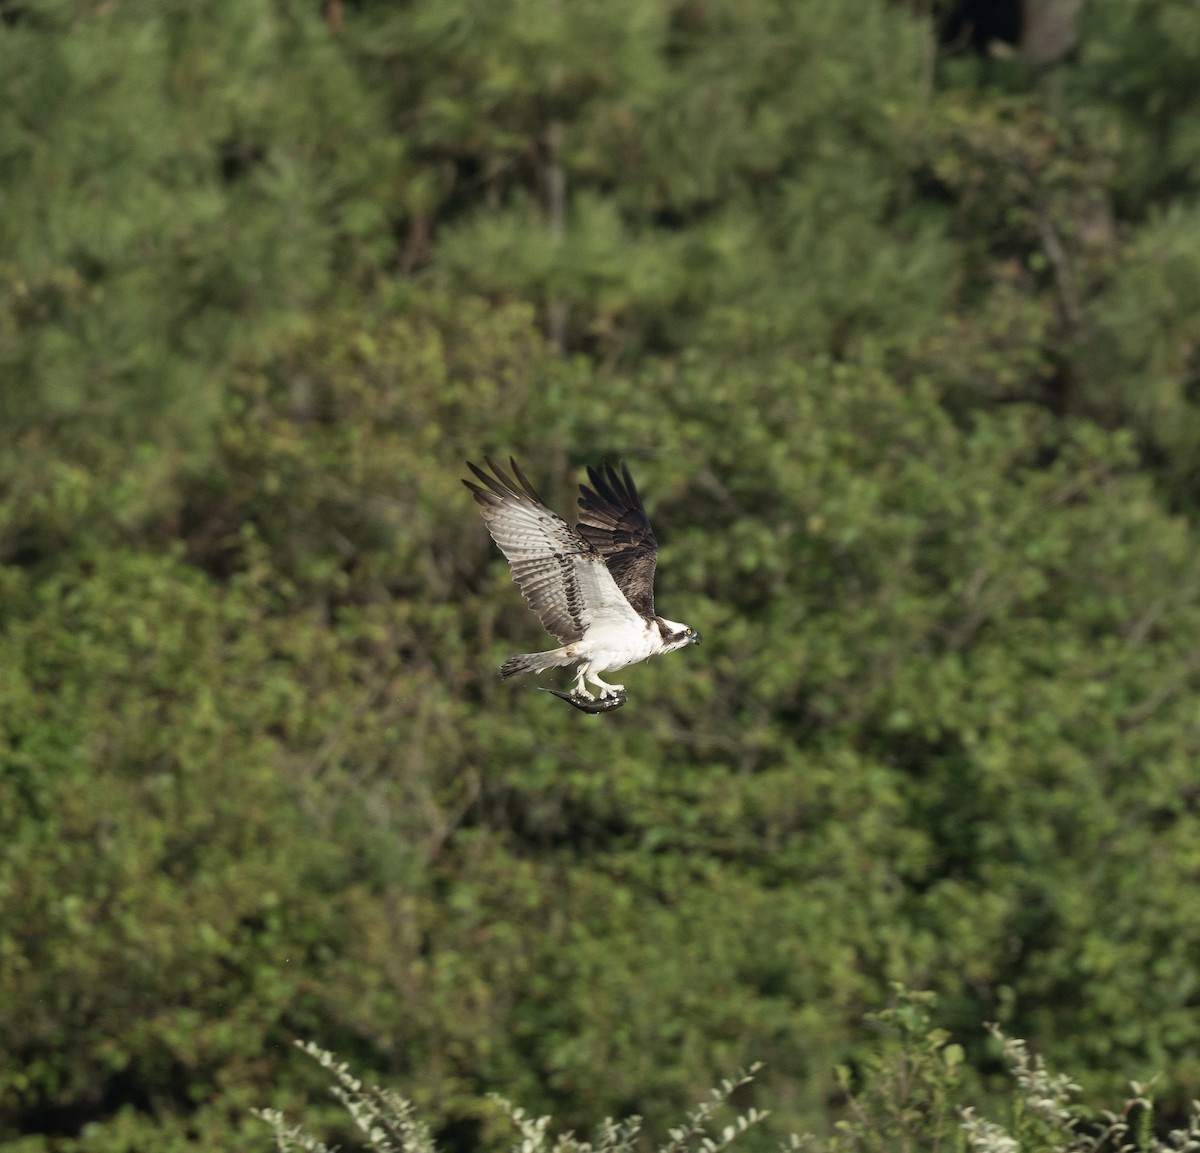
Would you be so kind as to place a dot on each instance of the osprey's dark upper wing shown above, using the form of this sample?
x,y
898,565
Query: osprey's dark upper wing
x,y
560,574
613,521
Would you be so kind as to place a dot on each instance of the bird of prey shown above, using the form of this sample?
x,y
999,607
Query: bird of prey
x,y
592,586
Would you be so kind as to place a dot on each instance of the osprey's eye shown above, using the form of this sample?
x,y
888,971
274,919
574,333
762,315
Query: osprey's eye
x,y
687,632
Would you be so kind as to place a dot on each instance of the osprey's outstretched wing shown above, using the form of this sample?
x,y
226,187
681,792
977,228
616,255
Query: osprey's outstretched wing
x,y
560,574
613,521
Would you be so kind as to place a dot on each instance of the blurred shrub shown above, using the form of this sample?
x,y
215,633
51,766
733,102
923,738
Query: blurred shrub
x,y
259,781
907,1093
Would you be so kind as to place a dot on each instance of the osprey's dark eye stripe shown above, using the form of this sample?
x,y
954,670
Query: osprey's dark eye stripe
x,y
591,586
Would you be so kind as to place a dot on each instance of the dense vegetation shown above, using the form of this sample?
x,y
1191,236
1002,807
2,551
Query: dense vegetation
x,y
900,334
908,1094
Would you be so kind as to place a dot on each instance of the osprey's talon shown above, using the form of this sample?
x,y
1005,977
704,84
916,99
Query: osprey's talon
x,y
586,703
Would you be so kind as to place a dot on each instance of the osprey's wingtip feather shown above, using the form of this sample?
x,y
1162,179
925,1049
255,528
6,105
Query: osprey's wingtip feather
x,y
530,491
500,485
612,488
501,475
630,487
488,496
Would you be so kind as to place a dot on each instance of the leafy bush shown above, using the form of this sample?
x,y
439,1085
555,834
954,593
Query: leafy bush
x,y
257,759
901,347
386,1122
907,1093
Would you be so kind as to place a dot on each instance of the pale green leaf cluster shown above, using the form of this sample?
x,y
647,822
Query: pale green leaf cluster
x,y
908,1095
387,1123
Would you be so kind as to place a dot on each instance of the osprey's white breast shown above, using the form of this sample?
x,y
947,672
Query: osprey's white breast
x,y
608,646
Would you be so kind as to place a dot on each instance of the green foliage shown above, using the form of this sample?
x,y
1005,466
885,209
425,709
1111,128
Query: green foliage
x,y
387,1122
176,180
907,1094
267,776
907,1086
709,160
857,317
911,1092
1136,61
1148,333
165,896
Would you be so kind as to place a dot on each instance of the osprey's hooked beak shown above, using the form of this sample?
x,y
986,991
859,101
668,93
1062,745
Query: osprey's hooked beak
x,y
695,637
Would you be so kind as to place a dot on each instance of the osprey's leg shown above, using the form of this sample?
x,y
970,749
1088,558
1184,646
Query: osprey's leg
x,y
579,690
606,690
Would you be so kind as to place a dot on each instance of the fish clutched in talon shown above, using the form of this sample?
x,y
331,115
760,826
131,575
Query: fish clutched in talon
x,y
586,703
592,586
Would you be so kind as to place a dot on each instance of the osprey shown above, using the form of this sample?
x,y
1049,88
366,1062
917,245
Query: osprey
x,y
592,586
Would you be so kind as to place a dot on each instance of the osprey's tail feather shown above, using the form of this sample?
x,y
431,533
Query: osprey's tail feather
x,y
535,663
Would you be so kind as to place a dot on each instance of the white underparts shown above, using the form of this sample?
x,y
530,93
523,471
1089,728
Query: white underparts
x,y
606,646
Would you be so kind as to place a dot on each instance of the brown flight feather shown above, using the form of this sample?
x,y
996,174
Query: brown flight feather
x,y
614,522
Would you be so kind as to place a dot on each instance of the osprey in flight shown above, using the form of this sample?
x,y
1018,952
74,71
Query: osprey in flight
x,y
592,586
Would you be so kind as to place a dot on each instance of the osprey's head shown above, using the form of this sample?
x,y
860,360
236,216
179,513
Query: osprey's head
x,y
676,635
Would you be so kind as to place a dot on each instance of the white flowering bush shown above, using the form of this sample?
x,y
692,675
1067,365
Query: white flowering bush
x,y
911,1098
907,1097
1044,1116
385,1119
387,1124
